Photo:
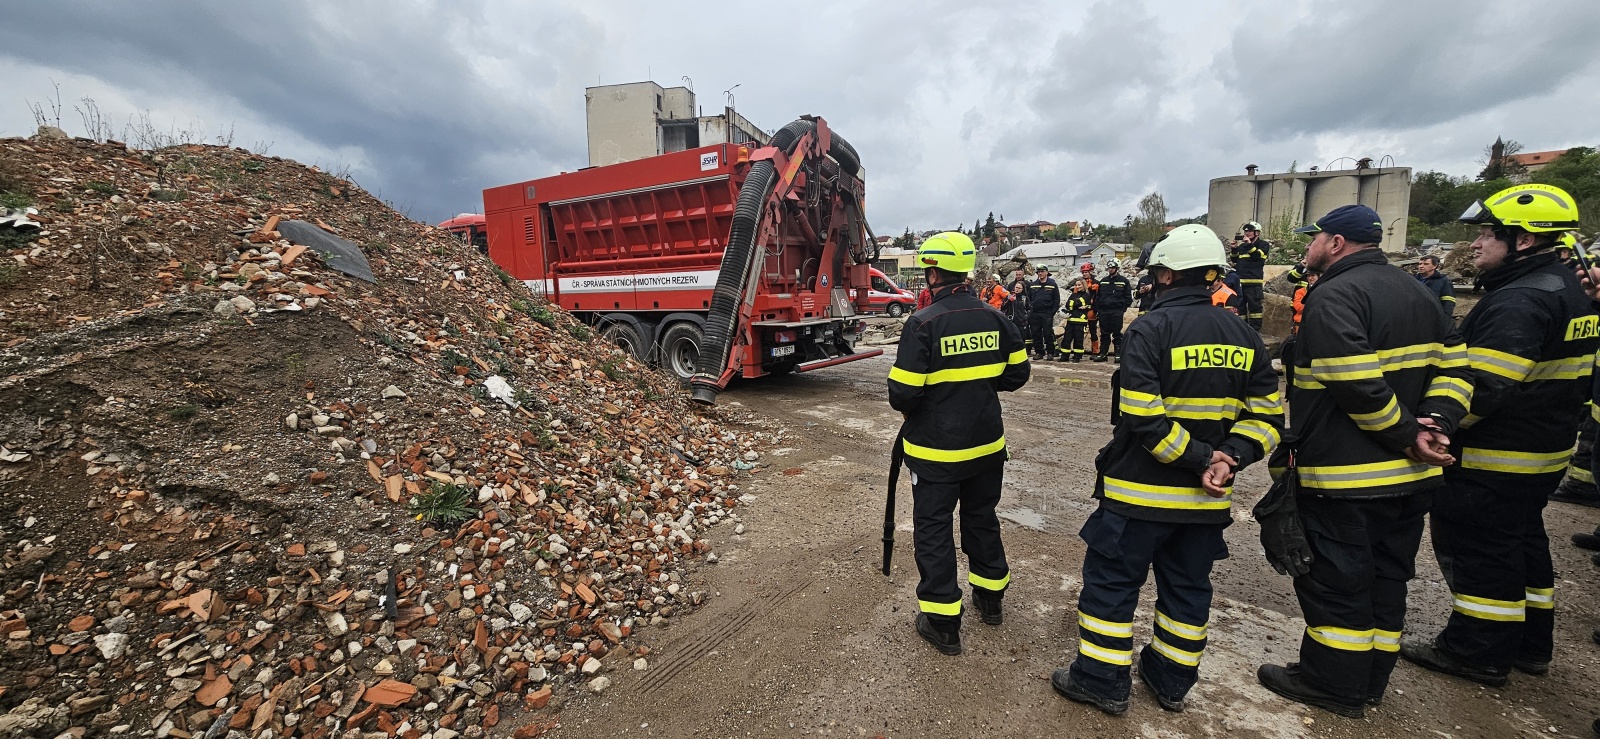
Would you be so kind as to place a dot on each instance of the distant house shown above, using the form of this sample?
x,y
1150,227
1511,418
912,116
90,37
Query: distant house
x,y
1062,256
1534,161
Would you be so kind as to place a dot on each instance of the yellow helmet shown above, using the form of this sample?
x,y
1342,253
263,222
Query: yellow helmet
x,y
1566,241
1534,208
949,251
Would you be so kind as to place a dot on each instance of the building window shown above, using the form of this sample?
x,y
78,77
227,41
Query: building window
x,y
658,102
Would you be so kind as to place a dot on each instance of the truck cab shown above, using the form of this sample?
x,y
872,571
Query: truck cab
x,y
886,296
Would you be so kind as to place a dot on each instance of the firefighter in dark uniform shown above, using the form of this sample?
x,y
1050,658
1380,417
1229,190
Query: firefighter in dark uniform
x,y
1091,286
1531,342
1017,305
955,356
1044,298
1381,380
1116,294
1145,292
1438,282
1579,487
1198,400
1250,259
1077,310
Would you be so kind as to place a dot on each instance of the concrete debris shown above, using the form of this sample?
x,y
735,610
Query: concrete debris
x,y
233,551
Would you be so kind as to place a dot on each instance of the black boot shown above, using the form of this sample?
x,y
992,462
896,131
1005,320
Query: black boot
x,y
1170,704
1289,683
1581,493
1101,357
1590,542
988,604
945,636
1068,688
1426,653
1530,666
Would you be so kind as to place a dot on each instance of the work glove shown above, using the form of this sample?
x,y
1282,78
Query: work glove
x,y
1282,536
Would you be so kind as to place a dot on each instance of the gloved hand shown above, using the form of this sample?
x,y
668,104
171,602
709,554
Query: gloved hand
x,y
1282,536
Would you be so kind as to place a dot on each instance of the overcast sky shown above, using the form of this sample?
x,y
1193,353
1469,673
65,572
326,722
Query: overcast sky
x,y
1033,110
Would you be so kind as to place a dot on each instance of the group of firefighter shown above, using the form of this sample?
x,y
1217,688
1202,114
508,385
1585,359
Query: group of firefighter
x,y
1096,307
1399,418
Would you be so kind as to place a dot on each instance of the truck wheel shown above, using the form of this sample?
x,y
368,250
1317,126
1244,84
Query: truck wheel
x,y
626,336
896,310
680,349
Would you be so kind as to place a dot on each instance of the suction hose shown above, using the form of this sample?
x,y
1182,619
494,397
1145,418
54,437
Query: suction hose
x,y
723,319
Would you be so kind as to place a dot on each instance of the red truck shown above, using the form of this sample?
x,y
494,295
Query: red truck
x,y
884,295
713,262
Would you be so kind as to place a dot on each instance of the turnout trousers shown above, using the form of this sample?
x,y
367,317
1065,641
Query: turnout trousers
x,y
1489,537
1111,333
1072,340
1579,484
933,506
1020,320
1121,553
1354,597
1250,294
1041,334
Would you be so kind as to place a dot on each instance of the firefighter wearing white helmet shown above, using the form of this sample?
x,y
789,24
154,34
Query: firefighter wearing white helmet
x,y
955,356
1250,259
1165,481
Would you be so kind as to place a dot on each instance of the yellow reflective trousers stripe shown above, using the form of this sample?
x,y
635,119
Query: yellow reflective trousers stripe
x,y
1105,628
1489,609
1181,656
980,581
1349,640
1385,641
1118,657
1179,628
942,609
953,455
1544,598
1163,496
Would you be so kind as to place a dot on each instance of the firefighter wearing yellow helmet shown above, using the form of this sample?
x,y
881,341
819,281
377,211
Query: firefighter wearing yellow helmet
x,y
1531,343
1164,481
955,356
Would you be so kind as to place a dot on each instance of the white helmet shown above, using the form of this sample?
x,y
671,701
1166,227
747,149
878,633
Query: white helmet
x,y
1187,247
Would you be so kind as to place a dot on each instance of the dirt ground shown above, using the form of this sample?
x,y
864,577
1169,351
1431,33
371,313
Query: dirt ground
x,y
804,636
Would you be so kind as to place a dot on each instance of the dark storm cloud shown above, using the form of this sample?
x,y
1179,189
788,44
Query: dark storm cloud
x,y
1380,64
395,84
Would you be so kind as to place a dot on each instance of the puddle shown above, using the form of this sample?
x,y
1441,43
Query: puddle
x,y
1025,517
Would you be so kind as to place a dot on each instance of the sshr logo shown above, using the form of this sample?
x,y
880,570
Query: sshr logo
x,y
1212,356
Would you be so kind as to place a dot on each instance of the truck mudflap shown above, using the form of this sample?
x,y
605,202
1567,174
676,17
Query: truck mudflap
x,y
820,363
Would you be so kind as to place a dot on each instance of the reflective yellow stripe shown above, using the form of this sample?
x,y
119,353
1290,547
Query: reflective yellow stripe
x,y
1385,641
1407,357
907,377
1119,657
1380,419
1181,656
1580,474
942,609
1172,446
1448,298
1179,628
1205,409
987,584
1304,381
1348,476
1356,367
1541,598
1136,403
1569,368
967,374
1454,356
1349,640
1489,609
1594,410
1453,388
1018,357
1470,420
1500,363
1105,628
1161,496
1261,432
1266,405
954,455
1525,463
1243,281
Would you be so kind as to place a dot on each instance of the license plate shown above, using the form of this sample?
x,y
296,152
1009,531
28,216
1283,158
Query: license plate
x,y
782,351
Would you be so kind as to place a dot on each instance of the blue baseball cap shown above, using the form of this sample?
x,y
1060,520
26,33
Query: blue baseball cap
x,y
1356,223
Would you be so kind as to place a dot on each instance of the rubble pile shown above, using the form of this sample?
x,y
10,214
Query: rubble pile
x,y
217,451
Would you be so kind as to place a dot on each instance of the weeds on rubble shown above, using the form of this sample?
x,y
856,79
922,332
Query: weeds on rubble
x,y
443,503
622,475
190,272
295,363
613,368
183,412
169,196
14,192
391,342
580,332
450,359
502,328
505,277
104,188
643,386
542,315
254,166
8,270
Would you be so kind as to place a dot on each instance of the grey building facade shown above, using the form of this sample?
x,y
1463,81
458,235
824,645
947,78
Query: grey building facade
x,y
1303,197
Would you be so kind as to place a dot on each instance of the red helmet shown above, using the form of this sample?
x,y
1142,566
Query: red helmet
x,y
1087,268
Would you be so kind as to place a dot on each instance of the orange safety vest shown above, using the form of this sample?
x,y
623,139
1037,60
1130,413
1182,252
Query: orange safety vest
x,y
1299,306
1222,295
995,295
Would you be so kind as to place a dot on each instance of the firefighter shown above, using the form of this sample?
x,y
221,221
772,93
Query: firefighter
x,y
1299,303
1225,298
1077,310
1438,282
1116,294
1531,342
1381,380
954,358
1092,287
1017,305
1146,293
1198,401
1250,259
993,294
1044,298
